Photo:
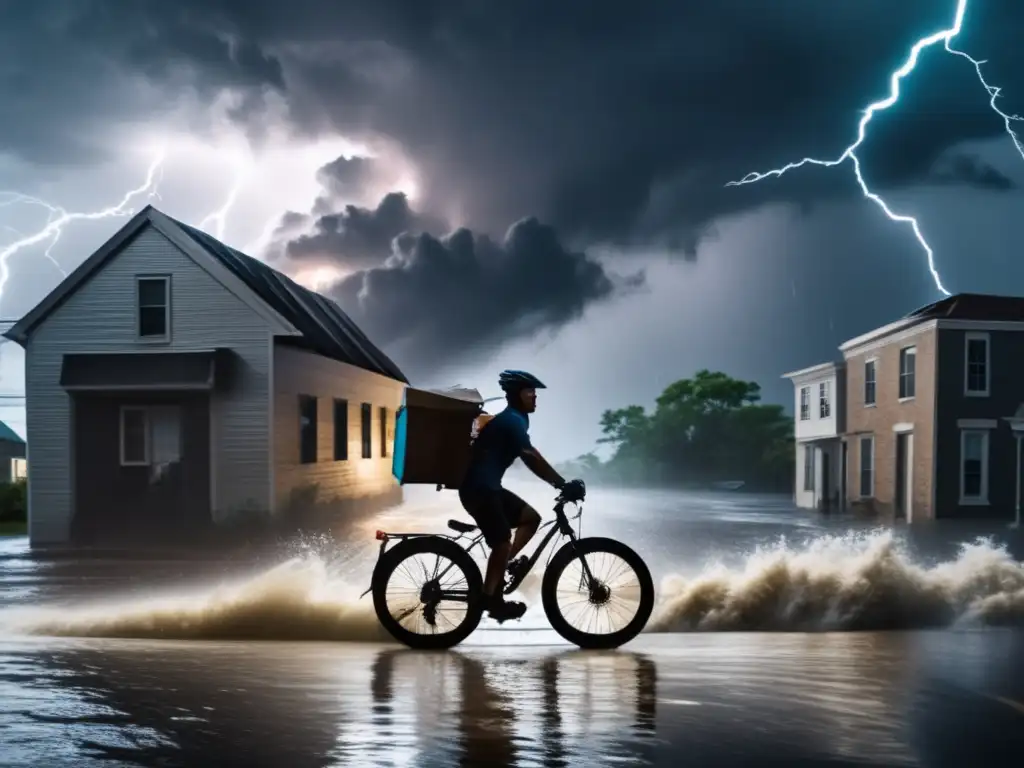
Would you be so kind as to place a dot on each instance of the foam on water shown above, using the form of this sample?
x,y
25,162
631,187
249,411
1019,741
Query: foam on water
x,y
835,583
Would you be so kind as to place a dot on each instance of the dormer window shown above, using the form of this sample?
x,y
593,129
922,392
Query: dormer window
x,y
153,296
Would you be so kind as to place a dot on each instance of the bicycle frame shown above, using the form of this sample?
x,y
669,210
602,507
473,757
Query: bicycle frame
x,y
560,524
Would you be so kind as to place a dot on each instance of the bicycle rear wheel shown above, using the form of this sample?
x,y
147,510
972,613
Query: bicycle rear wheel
x,y
427,593
611,610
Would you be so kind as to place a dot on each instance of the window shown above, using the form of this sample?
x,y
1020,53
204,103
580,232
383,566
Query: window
x,y
134,436
307,429
150,435
974,466
870,376
908,366
367,430
824,405
340,430
154,307
805,403
383,432
808,467
867,466
977,364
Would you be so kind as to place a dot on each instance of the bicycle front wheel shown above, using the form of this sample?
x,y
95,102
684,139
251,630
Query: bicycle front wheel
x,y
608,607
427,593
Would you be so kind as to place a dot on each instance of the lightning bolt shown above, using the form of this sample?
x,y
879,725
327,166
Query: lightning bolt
x,y
219,217
945,37
60,218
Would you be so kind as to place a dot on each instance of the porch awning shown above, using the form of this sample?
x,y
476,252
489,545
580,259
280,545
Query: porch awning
x,y
140,371
1016,421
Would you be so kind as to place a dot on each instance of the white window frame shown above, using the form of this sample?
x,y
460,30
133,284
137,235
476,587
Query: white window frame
x,y
146,427
968,338
910,351
805,416
166,280
860,467
980,500
873,362
825,399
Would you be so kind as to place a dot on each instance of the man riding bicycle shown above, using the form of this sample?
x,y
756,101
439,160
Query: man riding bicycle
x,y
497,510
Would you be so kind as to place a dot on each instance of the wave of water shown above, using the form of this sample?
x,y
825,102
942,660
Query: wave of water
x,y
834,583
867,582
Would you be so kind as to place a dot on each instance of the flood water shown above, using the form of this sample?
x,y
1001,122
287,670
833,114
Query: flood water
x,y
779,638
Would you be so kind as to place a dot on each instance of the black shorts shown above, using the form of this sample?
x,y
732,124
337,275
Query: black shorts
x,y
496,512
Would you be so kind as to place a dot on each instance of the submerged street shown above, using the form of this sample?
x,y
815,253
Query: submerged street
x,y
192,661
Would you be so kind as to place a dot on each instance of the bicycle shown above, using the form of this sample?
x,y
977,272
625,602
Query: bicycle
x,y
436,589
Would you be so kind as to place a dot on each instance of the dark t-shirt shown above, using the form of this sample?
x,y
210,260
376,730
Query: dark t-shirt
x,y
498,445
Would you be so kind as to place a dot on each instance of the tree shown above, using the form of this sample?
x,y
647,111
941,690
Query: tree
x,y
706,428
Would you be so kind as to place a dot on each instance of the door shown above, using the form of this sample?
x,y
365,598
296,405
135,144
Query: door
x,y
903,501
844,467
141,467
826,478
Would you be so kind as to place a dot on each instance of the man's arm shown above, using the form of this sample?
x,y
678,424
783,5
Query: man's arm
x,y
539,466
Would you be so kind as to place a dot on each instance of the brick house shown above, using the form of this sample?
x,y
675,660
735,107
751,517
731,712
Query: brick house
x,y
933,413
174,384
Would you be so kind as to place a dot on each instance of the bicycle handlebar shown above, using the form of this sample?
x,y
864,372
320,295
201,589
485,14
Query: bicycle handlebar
x,y
572,492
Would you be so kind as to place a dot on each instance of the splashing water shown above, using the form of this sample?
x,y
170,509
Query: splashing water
x,y
866,582
834,583
297,600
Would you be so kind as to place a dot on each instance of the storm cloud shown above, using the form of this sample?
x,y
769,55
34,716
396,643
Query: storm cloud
x,y
358,237
434,296
612,123
441,300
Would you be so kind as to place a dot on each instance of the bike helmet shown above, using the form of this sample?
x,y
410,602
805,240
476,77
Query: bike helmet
x,y
512,381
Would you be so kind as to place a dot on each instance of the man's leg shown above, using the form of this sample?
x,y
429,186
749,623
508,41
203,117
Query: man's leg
x,y
529,522
485,507
526,520
496,565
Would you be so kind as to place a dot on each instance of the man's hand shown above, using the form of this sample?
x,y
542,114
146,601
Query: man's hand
x,y
574,490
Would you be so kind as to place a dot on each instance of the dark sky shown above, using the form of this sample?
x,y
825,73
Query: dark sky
x,y
570,162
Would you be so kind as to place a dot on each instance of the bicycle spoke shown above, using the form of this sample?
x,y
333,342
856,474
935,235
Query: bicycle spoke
x,y
405,603
615,604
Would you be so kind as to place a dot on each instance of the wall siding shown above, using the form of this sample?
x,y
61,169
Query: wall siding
x,y
329,488
1006,358
888,411
101,317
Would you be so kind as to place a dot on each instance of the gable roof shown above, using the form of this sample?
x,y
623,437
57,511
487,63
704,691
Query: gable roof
x,y
323,325
6,433
316,322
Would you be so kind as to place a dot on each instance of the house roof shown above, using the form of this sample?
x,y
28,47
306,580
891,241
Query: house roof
x,y
320,323
980,307
973,306
324,326
814,369
6,433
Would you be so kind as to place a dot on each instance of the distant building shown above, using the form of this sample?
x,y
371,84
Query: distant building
x,y
820,413
12,455
174,384
933,410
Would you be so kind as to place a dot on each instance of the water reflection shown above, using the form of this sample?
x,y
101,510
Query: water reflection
x,y
172,704
569,709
